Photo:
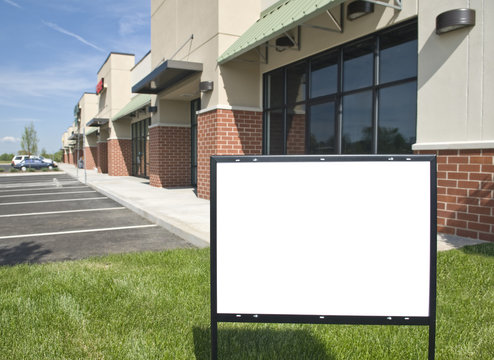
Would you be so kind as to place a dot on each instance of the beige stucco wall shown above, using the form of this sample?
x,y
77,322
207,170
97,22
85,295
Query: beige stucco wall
x,y
89,108
116,72
215,25
455,107
141,69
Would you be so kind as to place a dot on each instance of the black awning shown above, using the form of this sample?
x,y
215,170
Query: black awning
x,y
97,122
167,74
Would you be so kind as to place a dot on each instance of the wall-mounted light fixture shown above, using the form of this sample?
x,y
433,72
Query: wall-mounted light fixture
x,y
205,86
358,9
454,19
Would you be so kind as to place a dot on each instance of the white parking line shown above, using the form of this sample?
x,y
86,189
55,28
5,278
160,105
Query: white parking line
x,y
52,187
47,201
44,194
78,231
62,212
25,185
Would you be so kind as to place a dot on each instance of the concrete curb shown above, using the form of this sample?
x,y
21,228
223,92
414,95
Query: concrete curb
x,y
167,224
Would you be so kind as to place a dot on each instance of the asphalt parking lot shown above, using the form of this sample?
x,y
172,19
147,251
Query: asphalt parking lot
x,y
53,217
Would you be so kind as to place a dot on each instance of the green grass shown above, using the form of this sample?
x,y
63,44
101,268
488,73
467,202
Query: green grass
x,y
156,306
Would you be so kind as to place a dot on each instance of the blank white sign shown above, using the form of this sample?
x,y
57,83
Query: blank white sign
x,y
339,238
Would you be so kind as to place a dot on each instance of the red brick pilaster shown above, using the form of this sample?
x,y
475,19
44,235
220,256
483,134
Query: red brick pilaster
x,y
102,157
465,192
119,157
91,153
225,132
169,156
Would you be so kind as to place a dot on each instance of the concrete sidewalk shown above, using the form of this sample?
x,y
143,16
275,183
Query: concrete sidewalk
x,y
180,211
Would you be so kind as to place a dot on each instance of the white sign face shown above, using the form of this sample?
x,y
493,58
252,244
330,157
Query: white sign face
x,y
334,238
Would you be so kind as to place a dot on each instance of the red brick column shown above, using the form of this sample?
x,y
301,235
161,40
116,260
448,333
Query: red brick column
x,y
169,156
69,157
225,132
102,157
119,157
91,153
465,192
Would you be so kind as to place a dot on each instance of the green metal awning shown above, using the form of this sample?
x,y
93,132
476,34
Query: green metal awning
x,y
136,103
276,20
90,130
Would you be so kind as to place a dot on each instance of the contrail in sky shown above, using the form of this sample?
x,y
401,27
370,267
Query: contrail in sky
x,y
10,2
66,32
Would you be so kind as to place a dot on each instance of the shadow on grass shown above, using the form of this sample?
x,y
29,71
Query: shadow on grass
x,y
268,344
483,249
25,252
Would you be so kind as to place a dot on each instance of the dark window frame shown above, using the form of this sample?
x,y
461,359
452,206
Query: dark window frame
x,y
336,97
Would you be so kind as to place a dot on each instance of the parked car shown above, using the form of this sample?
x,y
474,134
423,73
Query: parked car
x,y
18,158
32,164
46,160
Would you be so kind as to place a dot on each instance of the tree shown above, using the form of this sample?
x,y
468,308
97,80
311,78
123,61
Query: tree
x,y
29,140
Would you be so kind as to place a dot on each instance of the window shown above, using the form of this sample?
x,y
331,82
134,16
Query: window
x,y
359,98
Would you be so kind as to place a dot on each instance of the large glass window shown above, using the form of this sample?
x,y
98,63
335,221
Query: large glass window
x,y
322,128
359,98
357,123
397,118
324,75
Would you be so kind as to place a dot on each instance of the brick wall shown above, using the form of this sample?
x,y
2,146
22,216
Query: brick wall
x,y
102,163
169,156
91,157
465,192
225,132
295,139
119,157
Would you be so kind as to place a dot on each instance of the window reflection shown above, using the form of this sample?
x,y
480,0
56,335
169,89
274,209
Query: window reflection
x,y
357,123
397,119
398,55
274,85
322,128
324,75
296,81
358,65
274,124
295,130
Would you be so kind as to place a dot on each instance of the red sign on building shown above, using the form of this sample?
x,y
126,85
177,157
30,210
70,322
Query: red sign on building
x,y
100,86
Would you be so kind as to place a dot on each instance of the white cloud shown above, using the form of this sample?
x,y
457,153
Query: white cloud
x,y
130,24
68,78
10,2
10,139
66,32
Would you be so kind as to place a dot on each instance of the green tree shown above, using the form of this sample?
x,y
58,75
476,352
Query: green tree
x,y
6,157
29,140
58,156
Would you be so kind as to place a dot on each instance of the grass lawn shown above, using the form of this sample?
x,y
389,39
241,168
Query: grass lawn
x,y
156,306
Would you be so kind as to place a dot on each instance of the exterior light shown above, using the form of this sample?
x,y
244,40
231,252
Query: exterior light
x,y
205,86
454,19
359,8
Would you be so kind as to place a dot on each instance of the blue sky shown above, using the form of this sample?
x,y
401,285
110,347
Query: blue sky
x,y
50,52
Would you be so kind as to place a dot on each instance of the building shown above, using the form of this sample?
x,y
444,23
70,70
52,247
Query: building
x,y
322,76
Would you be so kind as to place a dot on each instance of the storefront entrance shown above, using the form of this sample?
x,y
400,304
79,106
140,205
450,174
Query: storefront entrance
x,y
140,148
